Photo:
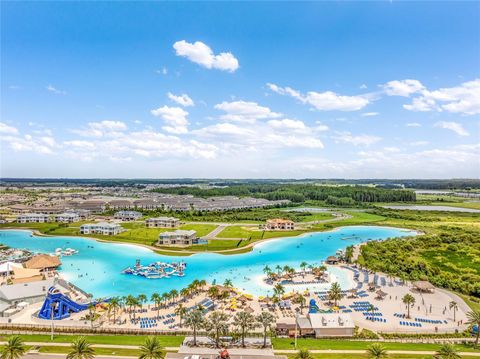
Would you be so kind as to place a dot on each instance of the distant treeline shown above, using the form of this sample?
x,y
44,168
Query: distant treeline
x,y
338,195
452,184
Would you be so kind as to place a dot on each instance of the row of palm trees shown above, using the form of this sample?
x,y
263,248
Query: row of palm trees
x,y
81,349
218,325
287,271
160,300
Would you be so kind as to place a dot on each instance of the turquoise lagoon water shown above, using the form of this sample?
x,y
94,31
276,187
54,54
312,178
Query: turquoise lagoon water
x,y
98,265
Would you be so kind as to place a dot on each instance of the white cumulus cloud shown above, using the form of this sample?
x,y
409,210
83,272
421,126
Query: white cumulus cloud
x,y
174,117
402,87
452,126
4,128
203,55
324,101
182,99
243,111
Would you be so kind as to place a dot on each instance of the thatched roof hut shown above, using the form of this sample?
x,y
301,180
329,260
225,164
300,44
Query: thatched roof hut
x,y
43,262
423,286
381,294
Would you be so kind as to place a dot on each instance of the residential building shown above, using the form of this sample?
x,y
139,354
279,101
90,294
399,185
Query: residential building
x,y
162,222
33,218
67,217
279,224
128,215
81,213
322,325
178,238
104,228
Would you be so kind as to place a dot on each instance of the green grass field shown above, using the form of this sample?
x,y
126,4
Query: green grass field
x,y
136,232
165,340
334,344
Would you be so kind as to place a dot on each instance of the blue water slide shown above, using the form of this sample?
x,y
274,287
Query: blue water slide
x,y
61,305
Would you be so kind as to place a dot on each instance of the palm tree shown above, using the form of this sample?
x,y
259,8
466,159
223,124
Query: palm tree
x,y
213,292
194,320
114,305
216,326
278,269
228,283
303,354
81,349
371,308
377,351
408,300
185,292
13,349
245,322
267,269
300,299
266,320
278,290
453,305
335,293
174,294
180,310
202,283
303,265
151,349
474,319
447,351
157,299
142,299
130,302
92,311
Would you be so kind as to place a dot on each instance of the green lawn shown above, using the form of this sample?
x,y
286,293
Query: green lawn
x,y
334,344
136,232
98,351
165,340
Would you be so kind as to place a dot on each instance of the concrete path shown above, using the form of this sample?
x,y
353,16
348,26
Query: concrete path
x,y
216,231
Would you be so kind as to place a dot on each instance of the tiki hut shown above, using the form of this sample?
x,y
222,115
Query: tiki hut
x,y
381,294
424,286
43,262
332,260
249,310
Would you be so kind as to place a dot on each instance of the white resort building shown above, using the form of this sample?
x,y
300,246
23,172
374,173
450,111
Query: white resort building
x,y
104,228
67,217
162,222
323,325
127,215
33,218
279,224
178,238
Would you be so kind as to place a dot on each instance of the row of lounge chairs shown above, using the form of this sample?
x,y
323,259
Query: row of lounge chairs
x,y
411,324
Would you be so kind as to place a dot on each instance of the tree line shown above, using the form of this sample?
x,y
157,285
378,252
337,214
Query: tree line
x,y
301,192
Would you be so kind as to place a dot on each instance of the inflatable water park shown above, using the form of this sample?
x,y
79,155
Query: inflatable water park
x,y
58,306
157,270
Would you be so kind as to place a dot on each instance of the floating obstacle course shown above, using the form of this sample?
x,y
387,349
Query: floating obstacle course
x,y
157,270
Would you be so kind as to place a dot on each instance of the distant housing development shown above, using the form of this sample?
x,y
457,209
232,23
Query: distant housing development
x,y
104,228
178,238
279,224
162,222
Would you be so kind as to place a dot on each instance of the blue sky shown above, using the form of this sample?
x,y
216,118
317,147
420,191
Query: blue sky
x,y
240,90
